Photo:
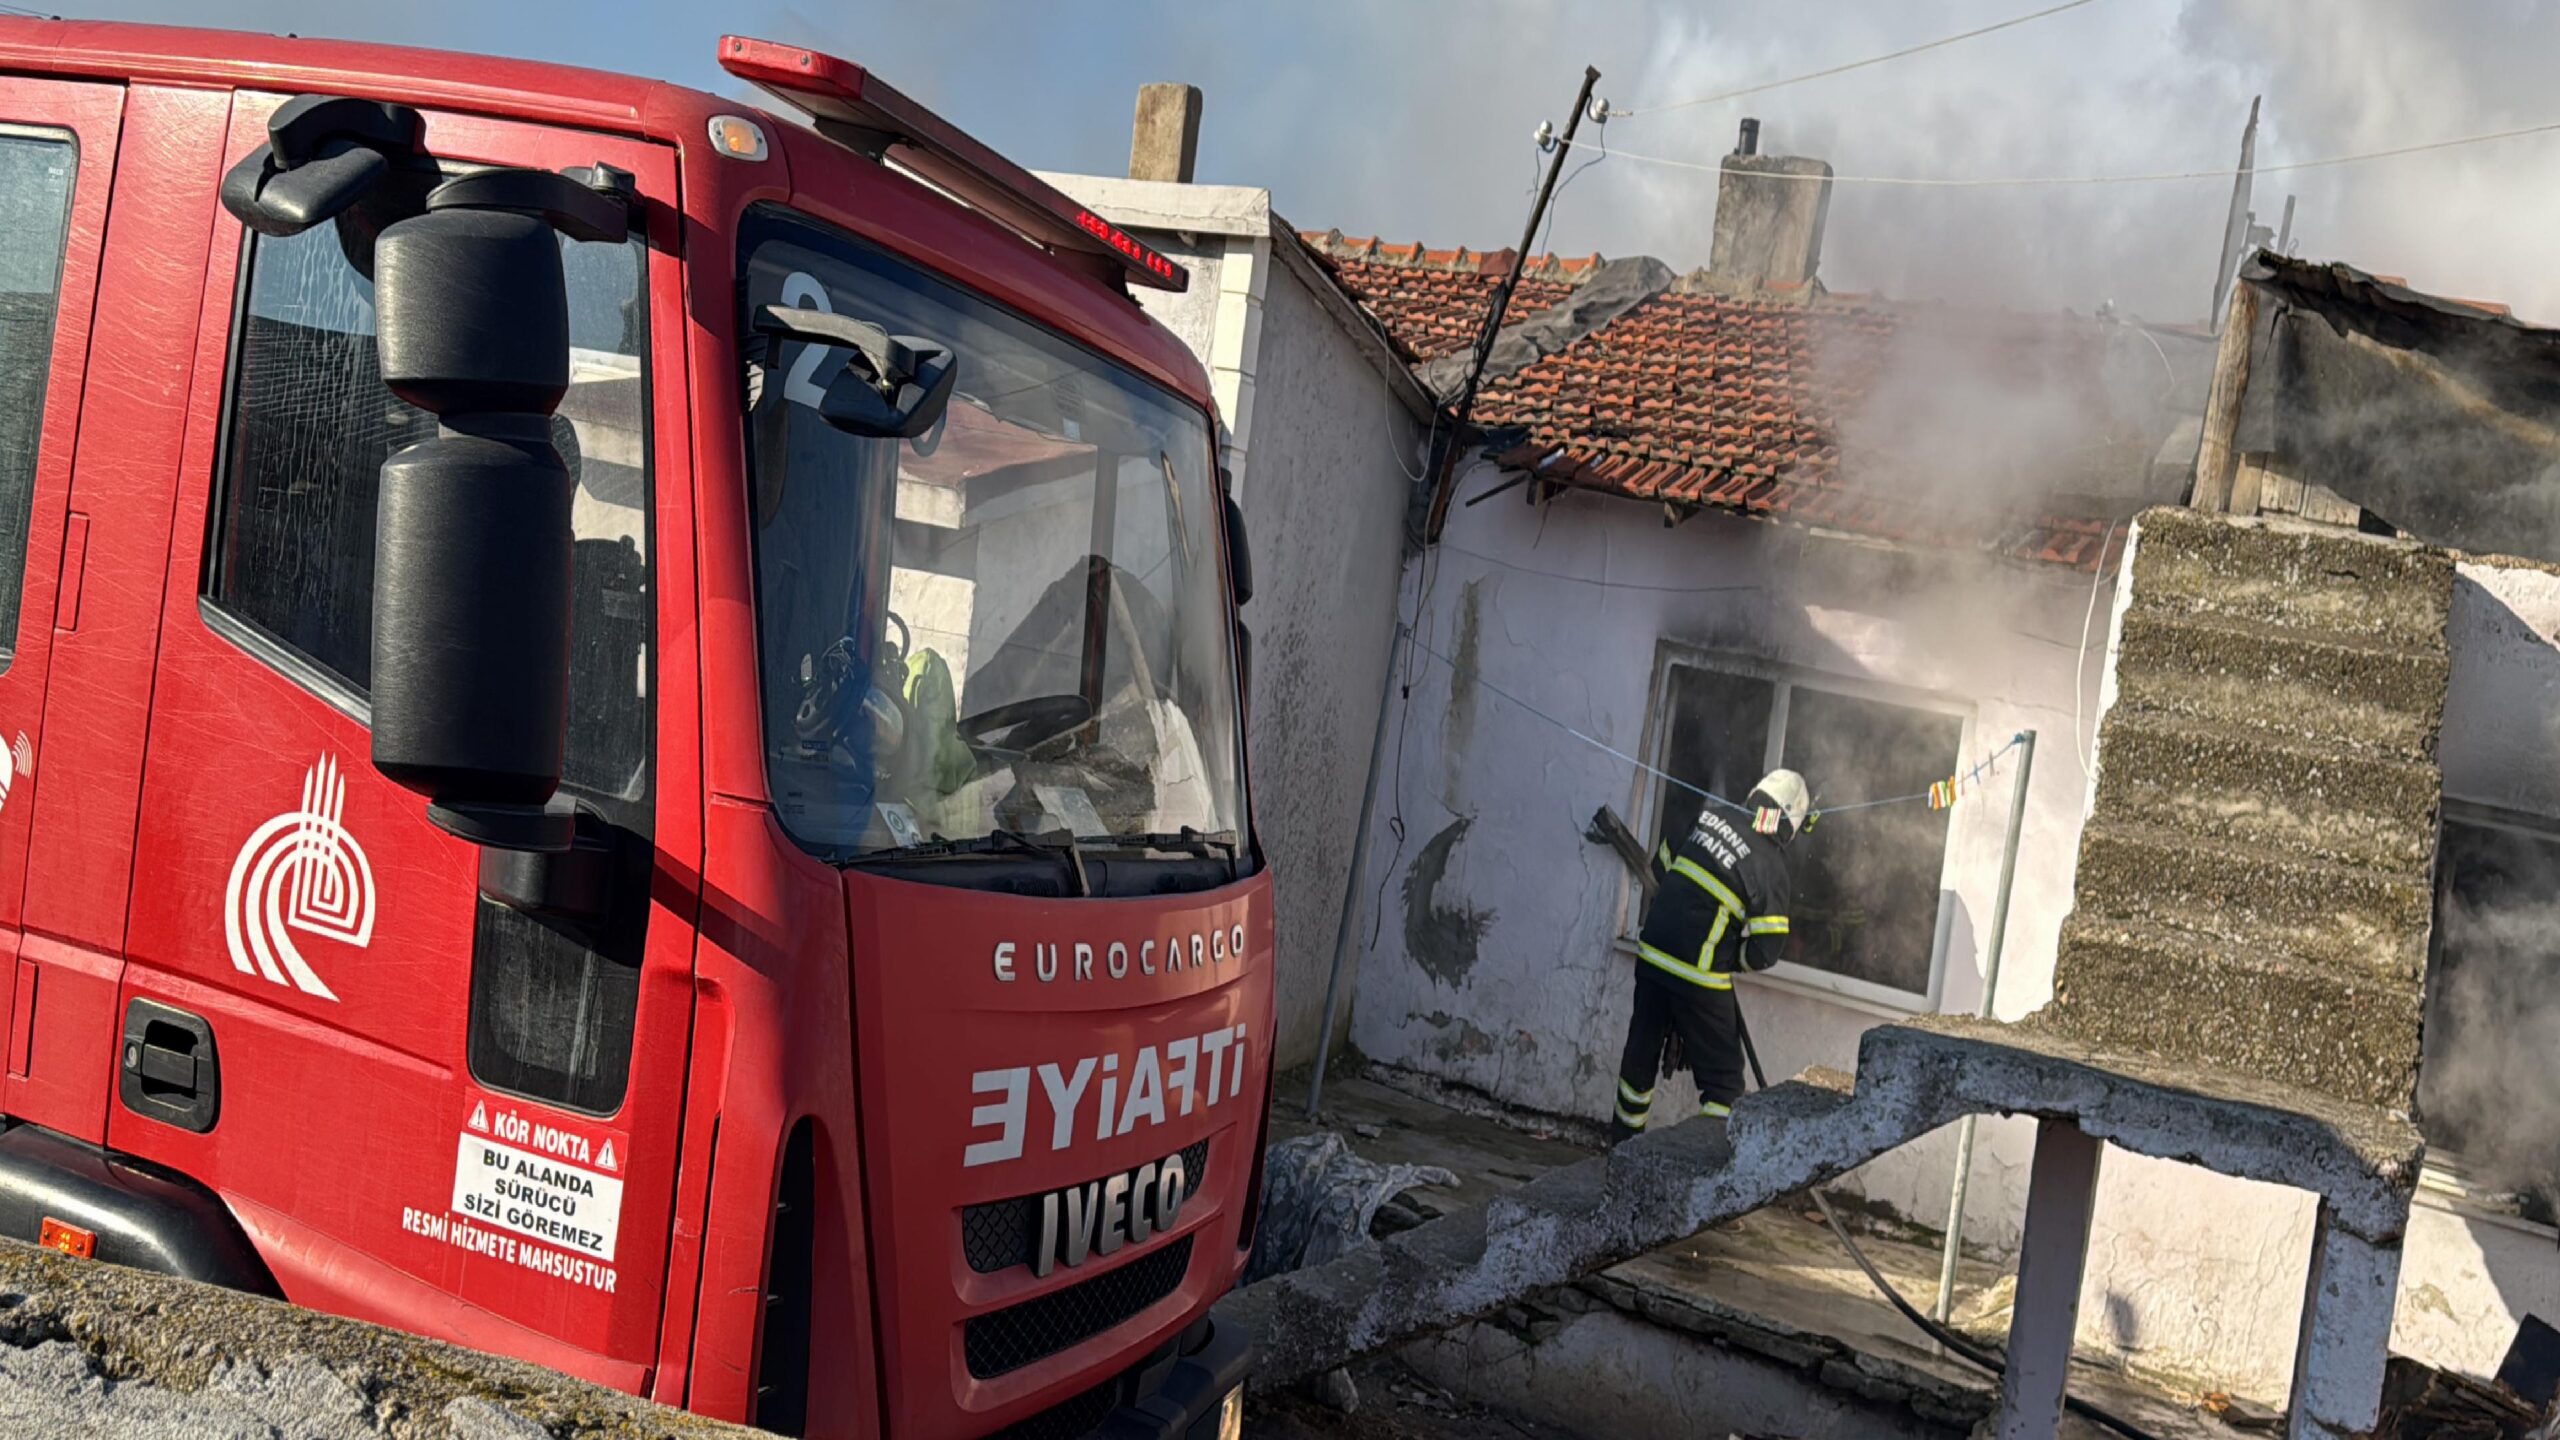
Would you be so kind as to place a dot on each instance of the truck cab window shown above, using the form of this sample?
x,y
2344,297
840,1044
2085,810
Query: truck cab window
x,y
36,171
1014,624
289,576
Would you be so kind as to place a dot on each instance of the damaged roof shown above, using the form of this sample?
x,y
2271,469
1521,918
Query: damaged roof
x,y
1793,405
2439,416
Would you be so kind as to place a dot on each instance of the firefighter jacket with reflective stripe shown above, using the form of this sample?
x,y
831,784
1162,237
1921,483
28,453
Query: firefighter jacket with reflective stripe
x,y
1721,906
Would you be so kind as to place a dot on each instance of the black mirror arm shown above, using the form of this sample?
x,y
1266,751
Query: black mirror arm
x,y
573,208
894,363
323,152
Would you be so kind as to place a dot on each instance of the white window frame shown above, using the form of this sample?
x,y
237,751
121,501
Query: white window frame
x,y
1861,994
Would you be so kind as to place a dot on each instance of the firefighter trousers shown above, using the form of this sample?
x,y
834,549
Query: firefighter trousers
x,y
1710,1028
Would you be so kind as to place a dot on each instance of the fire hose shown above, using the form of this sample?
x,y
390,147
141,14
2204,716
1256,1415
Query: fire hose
x,y
1953,1343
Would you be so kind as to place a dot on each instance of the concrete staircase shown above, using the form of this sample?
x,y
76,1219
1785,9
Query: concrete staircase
x,y
2254,884
2238,989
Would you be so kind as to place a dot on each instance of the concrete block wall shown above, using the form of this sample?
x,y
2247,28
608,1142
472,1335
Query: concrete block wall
x,y
2254,888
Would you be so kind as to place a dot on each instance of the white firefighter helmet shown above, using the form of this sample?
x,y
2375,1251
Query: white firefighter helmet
x,y
1782,801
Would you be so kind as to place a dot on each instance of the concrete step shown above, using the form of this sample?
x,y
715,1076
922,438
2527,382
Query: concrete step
x,y
1762,1118
2340,1031
2350,694
2293,576
2292,905
2262,793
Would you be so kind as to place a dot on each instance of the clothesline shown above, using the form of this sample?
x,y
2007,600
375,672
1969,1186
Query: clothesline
x,y
1939,795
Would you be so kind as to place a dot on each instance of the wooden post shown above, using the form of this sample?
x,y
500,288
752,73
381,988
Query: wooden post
x,y
2214,456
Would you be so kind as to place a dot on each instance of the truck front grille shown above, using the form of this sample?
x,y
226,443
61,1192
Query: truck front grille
x,y
1001,1234
1070,1419
1003,1341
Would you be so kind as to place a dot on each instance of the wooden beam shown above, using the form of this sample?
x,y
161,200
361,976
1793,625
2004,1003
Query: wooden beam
x,y
2278,492
2252,487
2327,506
1520,477
2214,456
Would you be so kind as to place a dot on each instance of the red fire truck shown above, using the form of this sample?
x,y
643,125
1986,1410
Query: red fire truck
x,y
621,735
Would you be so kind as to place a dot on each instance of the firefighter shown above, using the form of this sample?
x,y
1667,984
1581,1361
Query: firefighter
x,y
1720,908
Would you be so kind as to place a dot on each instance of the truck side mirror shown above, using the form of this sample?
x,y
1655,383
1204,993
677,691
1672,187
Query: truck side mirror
x,y
472,536
1239,553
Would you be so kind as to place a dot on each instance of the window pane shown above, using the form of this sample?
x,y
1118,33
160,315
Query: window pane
x,y
2490,1022
35,215
311,425
1717,739
552,1006
1866,882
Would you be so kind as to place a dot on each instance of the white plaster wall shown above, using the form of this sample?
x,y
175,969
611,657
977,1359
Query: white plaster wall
x,y
2501,739
1191,312
1325,508
1494,963
2464,1283
2199,1277
1321,451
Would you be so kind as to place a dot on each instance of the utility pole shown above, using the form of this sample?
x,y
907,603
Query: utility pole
x,y
2235,223
1444,450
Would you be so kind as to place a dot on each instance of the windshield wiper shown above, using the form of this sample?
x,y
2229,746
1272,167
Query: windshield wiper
x,y
1220,843
998,841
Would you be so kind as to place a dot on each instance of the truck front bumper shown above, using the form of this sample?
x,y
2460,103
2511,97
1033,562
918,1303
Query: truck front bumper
x,y
1200,1395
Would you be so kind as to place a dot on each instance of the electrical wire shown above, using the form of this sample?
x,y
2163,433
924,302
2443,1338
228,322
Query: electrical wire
x,y
1954,1344
1416,476
1962,782
1588,580
1552,207
2080,671
1854,64
2145,177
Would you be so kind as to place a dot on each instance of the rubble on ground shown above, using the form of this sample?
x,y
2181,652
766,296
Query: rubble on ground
x,y
103,1350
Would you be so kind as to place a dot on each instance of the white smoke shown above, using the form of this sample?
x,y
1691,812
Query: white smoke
x,y
1413,119
2494,1039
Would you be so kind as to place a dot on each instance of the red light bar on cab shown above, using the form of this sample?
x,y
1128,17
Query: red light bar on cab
x,y
852,106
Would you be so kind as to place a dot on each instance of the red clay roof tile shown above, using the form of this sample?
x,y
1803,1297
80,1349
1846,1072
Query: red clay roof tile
x,y
1701,398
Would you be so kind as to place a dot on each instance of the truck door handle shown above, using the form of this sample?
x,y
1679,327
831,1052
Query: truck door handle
x,y
162,1066
170,1071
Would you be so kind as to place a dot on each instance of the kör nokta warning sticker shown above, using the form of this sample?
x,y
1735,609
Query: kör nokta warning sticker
x,y
540,1180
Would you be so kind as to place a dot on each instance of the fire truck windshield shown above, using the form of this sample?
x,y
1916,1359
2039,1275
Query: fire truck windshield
x,y
1011,626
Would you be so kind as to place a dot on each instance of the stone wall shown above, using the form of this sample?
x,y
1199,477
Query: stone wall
x,y
2254,888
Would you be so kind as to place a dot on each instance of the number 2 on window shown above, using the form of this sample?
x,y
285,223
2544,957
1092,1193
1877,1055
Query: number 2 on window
x,y
801,386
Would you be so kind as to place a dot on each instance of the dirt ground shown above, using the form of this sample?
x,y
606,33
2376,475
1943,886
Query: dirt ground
x,y
1394,1404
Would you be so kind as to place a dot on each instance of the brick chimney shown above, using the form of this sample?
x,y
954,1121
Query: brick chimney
x,y
1166,138
1769,214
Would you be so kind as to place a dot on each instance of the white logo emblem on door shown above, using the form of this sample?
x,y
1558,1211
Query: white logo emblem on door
x,y
17,762
300,871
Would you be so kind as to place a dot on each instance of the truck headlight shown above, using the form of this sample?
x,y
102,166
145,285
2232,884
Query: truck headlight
x,y
1231,1415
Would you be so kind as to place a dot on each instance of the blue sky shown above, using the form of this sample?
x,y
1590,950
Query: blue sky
x,y
1412,118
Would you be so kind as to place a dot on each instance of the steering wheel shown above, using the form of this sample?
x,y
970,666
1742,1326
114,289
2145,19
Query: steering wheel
x,y
1030,723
